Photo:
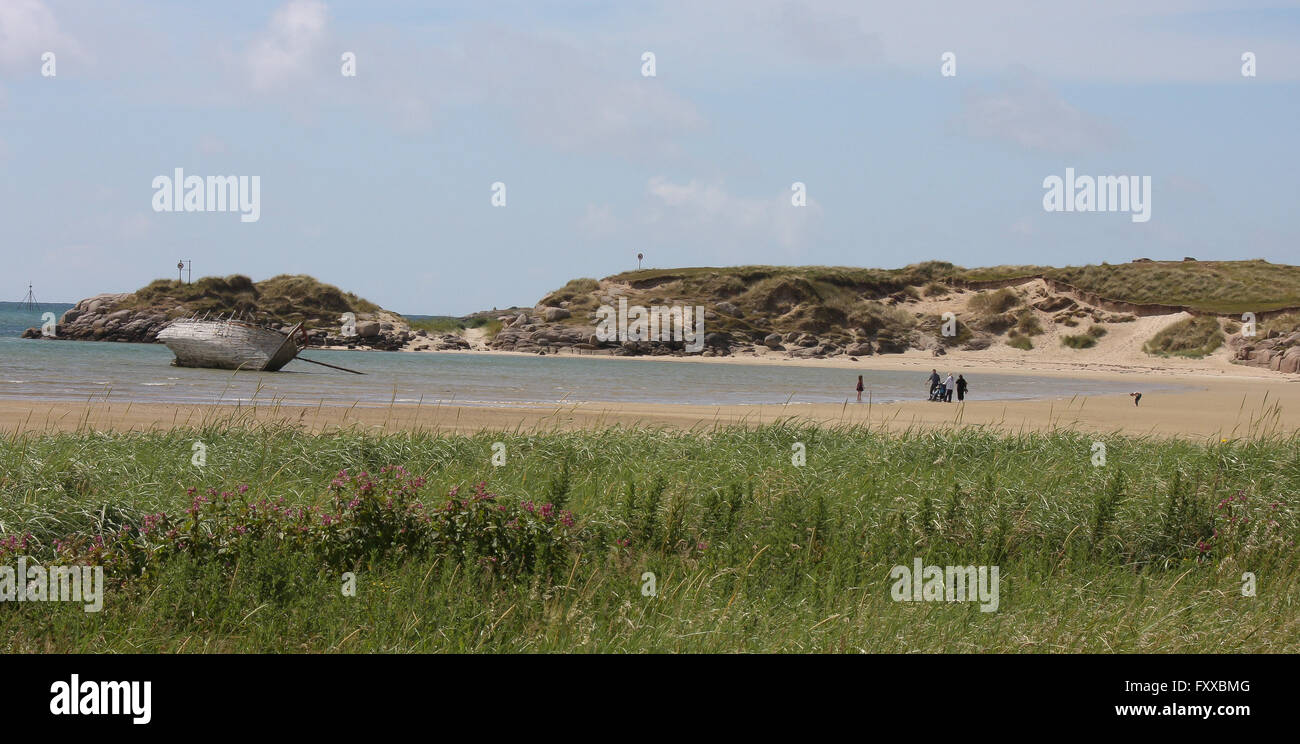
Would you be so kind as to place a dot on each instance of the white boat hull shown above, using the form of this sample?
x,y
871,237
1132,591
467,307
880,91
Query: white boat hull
x,y
228,345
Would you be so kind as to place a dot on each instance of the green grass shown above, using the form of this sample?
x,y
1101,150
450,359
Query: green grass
x,y
438,324
1079,341
993,303
1017,341
1213,286
1119,558
1193,337
288,298
1286,324
1027,323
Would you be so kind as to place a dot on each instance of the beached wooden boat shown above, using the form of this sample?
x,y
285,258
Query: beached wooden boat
x,y
230,344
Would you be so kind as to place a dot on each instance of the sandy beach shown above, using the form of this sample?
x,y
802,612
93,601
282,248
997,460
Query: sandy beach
x,y
1223,400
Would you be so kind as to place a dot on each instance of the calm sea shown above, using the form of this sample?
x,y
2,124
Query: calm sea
x,y
81,370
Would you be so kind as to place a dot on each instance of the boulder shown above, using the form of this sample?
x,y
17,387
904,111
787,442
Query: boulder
x,y
1052,304
552,314
1290,361
718,340
858,349
367,329
772,341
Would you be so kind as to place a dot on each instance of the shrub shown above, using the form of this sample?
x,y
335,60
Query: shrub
x,y
993,303
572,290
871,318
1285,324
1080,341
936,289
438,324
1097,331
1192,337
1027,323
368,518
1020,342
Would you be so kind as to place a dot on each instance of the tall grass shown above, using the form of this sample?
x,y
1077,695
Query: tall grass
x,y
748,551
1193,337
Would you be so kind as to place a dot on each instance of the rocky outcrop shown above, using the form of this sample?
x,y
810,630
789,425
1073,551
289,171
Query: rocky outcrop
x,y
119,317
98,319
1276,352
423,341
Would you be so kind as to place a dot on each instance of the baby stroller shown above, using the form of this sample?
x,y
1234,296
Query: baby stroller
x,y
937,393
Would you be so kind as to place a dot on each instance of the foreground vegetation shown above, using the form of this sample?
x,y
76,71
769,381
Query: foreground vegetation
x,y
748,551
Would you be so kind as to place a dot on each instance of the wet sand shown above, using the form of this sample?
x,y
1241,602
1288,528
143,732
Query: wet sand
x,y
1222,406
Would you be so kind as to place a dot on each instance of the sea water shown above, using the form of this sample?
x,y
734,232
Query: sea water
x,y
57,370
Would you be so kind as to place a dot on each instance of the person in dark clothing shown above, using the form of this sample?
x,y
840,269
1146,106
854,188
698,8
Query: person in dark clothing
x,y
859,388
934,383
1137,398
961,388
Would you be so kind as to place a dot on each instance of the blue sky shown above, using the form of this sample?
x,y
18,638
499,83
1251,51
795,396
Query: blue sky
x,y
381,183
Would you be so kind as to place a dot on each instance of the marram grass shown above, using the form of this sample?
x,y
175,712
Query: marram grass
x,y
749,551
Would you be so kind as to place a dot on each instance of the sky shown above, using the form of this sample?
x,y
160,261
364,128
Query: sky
x,y
382,182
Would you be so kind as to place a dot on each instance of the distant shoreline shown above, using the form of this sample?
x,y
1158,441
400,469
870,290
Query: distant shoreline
x,y
1213,367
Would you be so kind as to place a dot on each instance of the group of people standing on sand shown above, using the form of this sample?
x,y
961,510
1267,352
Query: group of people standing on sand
x,y
942,389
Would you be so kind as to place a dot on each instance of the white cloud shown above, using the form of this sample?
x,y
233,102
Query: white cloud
x,y
28,29
289,47
574,93
574,96
1110,40
1026,112
709,216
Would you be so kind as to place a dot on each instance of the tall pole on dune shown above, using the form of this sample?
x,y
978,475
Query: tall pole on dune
x,y
639,256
